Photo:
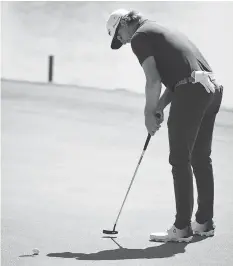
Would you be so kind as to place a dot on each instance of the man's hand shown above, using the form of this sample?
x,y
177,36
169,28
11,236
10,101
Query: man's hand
x,y
159,116
152,122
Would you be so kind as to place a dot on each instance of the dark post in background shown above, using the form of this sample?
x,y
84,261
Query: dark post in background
x,y
51,63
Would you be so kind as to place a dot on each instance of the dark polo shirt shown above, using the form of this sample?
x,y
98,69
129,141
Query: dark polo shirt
x,y
175,55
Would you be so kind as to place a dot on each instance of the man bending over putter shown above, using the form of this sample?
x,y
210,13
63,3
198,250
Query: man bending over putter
x,y
169,57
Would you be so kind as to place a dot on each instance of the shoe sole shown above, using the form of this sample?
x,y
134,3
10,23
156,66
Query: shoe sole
x,y
209,233
180,240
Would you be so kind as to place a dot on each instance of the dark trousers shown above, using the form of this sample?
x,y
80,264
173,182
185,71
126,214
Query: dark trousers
x,y
190,129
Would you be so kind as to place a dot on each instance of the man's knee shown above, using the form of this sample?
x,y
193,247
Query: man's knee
x,y
179,158
201,158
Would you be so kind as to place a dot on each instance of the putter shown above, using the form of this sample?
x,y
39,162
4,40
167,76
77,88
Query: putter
x,y
114,232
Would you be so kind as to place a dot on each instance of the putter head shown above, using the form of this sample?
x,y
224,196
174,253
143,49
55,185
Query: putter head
x,y
110,232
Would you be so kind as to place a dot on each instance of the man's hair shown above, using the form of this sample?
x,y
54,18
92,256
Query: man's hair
x,y
130,18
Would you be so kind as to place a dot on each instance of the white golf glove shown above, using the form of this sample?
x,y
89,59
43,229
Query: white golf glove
x,y
207,79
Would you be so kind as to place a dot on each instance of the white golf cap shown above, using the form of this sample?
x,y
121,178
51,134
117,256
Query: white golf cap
x,y
112,26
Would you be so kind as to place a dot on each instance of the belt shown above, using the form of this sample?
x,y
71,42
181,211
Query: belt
x,y
184,81
192,80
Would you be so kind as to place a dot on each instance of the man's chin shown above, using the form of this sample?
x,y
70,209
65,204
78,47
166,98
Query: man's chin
x,y
124,43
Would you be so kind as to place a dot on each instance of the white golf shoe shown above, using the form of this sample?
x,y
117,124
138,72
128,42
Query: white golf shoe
x,y
173,235
206,229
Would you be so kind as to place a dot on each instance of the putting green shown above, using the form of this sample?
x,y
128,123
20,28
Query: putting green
x,y
68,155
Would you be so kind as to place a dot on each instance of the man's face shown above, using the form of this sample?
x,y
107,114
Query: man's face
x,y
123,35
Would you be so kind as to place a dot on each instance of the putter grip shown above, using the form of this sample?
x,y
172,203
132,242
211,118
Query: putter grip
x,y
147,142
158,115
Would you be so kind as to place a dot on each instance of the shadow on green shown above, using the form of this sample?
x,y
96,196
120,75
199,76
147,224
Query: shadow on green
x,y
165,250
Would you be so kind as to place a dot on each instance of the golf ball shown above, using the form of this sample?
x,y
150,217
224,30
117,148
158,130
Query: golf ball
x,y
35,251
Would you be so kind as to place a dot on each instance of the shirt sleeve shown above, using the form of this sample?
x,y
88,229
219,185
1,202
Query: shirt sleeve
x,y
141,47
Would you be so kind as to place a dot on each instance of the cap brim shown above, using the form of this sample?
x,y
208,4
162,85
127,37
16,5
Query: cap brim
x,y
116,44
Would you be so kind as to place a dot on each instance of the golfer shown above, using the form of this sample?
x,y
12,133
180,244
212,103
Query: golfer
x,y
170,58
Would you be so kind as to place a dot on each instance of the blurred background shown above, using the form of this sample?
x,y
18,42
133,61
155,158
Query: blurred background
x,y
75,33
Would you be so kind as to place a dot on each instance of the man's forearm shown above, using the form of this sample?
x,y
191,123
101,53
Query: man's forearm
x,y
153,92
165,99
